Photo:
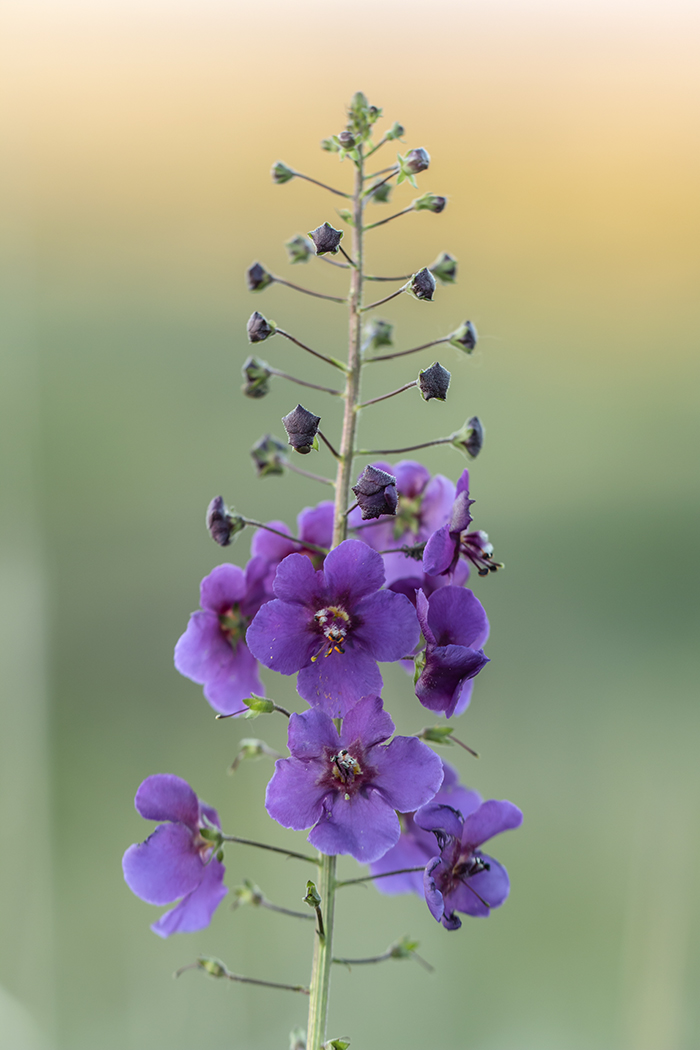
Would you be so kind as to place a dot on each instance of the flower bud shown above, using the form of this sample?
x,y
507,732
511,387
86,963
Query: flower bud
x,y
259,328
346,216
302,427
221,523
248,893
444,268
434,382
257,378
251,750
416,160
299,248
326,239
430,202
330,145
337,1044
465,337
346,140
422,285
281,173
396,131
297,1039
470,438
378,333
382,194
312,898
436,734
376,493
214,967
404,948
268,456
258,277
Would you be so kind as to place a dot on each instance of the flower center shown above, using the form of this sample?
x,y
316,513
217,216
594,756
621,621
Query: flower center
x,y
476,547
334,624
345,766
233,624
407,516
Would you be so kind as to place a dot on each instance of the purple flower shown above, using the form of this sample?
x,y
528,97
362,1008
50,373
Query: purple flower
x,y
462,878
349,785
444,547
416,846
174,862
212,651
424,505
333,625
314,525
455,628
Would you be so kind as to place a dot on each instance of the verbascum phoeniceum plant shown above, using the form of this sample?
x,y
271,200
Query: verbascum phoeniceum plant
x,y
378,574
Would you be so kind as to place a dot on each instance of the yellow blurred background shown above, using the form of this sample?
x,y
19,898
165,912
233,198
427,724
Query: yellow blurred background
x,y
137,142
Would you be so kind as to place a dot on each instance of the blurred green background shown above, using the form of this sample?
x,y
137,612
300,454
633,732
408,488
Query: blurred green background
x,y
138,139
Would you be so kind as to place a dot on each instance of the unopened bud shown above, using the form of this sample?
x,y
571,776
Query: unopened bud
x,y
268,456
465,337
248,893
312,897
258,278
281,173
470,438
330,145
404,948
434,382
444,268
252,750
376,493
259,328
436,734
297,1039
337,1044
299,248
260,705
257,378
214,967
430,202
382,193
326,239
416,160
302,427
221,523
396,131
346,140
422,285
378,333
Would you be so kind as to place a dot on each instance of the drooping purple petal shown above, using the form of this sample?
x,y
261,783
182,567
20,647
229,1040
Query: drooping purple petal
x,y
409,773
234,681
353,570
422,609
202,650
281,636
492,886
463,483
433,897
367,721
456,616
490,819
440,817
460,517
164,867
222,588
362,825
388,625
436,505
439,552
294,798
194,912
164,796
310,732
337,681
446,670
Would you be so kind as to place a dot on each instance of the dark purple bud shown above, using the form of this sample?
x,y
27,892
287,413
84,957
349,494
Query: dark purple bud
x,y
221,523
259,328
434,382
268,456
376,493
302,427
326,239
346,139
281,173
382,194
465,337
257,378
470,438
430,202
299,248
377,333
444,268
416,160
422,285
258,277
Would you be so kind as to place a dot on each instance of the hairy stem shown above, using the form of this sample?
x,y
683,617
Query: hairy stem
x,y
392,393
323,185
396,215
303,382
323,357
307,291
413,350
309,474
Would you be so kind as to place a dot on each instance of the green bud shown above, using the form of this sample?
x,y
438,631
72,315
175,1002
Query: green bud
x,y
470,438
210,834
252,750
337,1044
260,704
437,734
268,456
312,897
430,202
444,268
330,145
418,665
248,893
281,173
214,967
396,131
404,948
297,1039
377,334
346,216
465,337
299,248
257,378
382,194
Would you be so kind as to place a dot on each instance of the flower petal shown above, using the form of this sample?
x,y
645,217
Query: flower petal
x,y
437,503
164,796
409,773
491,818
362,825
388,625
433,897
310,732
316,523
281,636
298,583
271,547
164,867
202,650
223,587
411,477
367,721
439,552
441,819
463,483
457,617
353,570
336,682
194,912
235,680
293,797
407,853
493,886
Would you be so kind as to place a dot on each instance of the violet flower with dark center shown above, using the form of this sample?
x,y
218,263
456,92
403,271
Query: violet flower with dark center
x,y
462,878
455,628
314,525
375,492
416,846
349,785
444,547
333,626
212,651
176,860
